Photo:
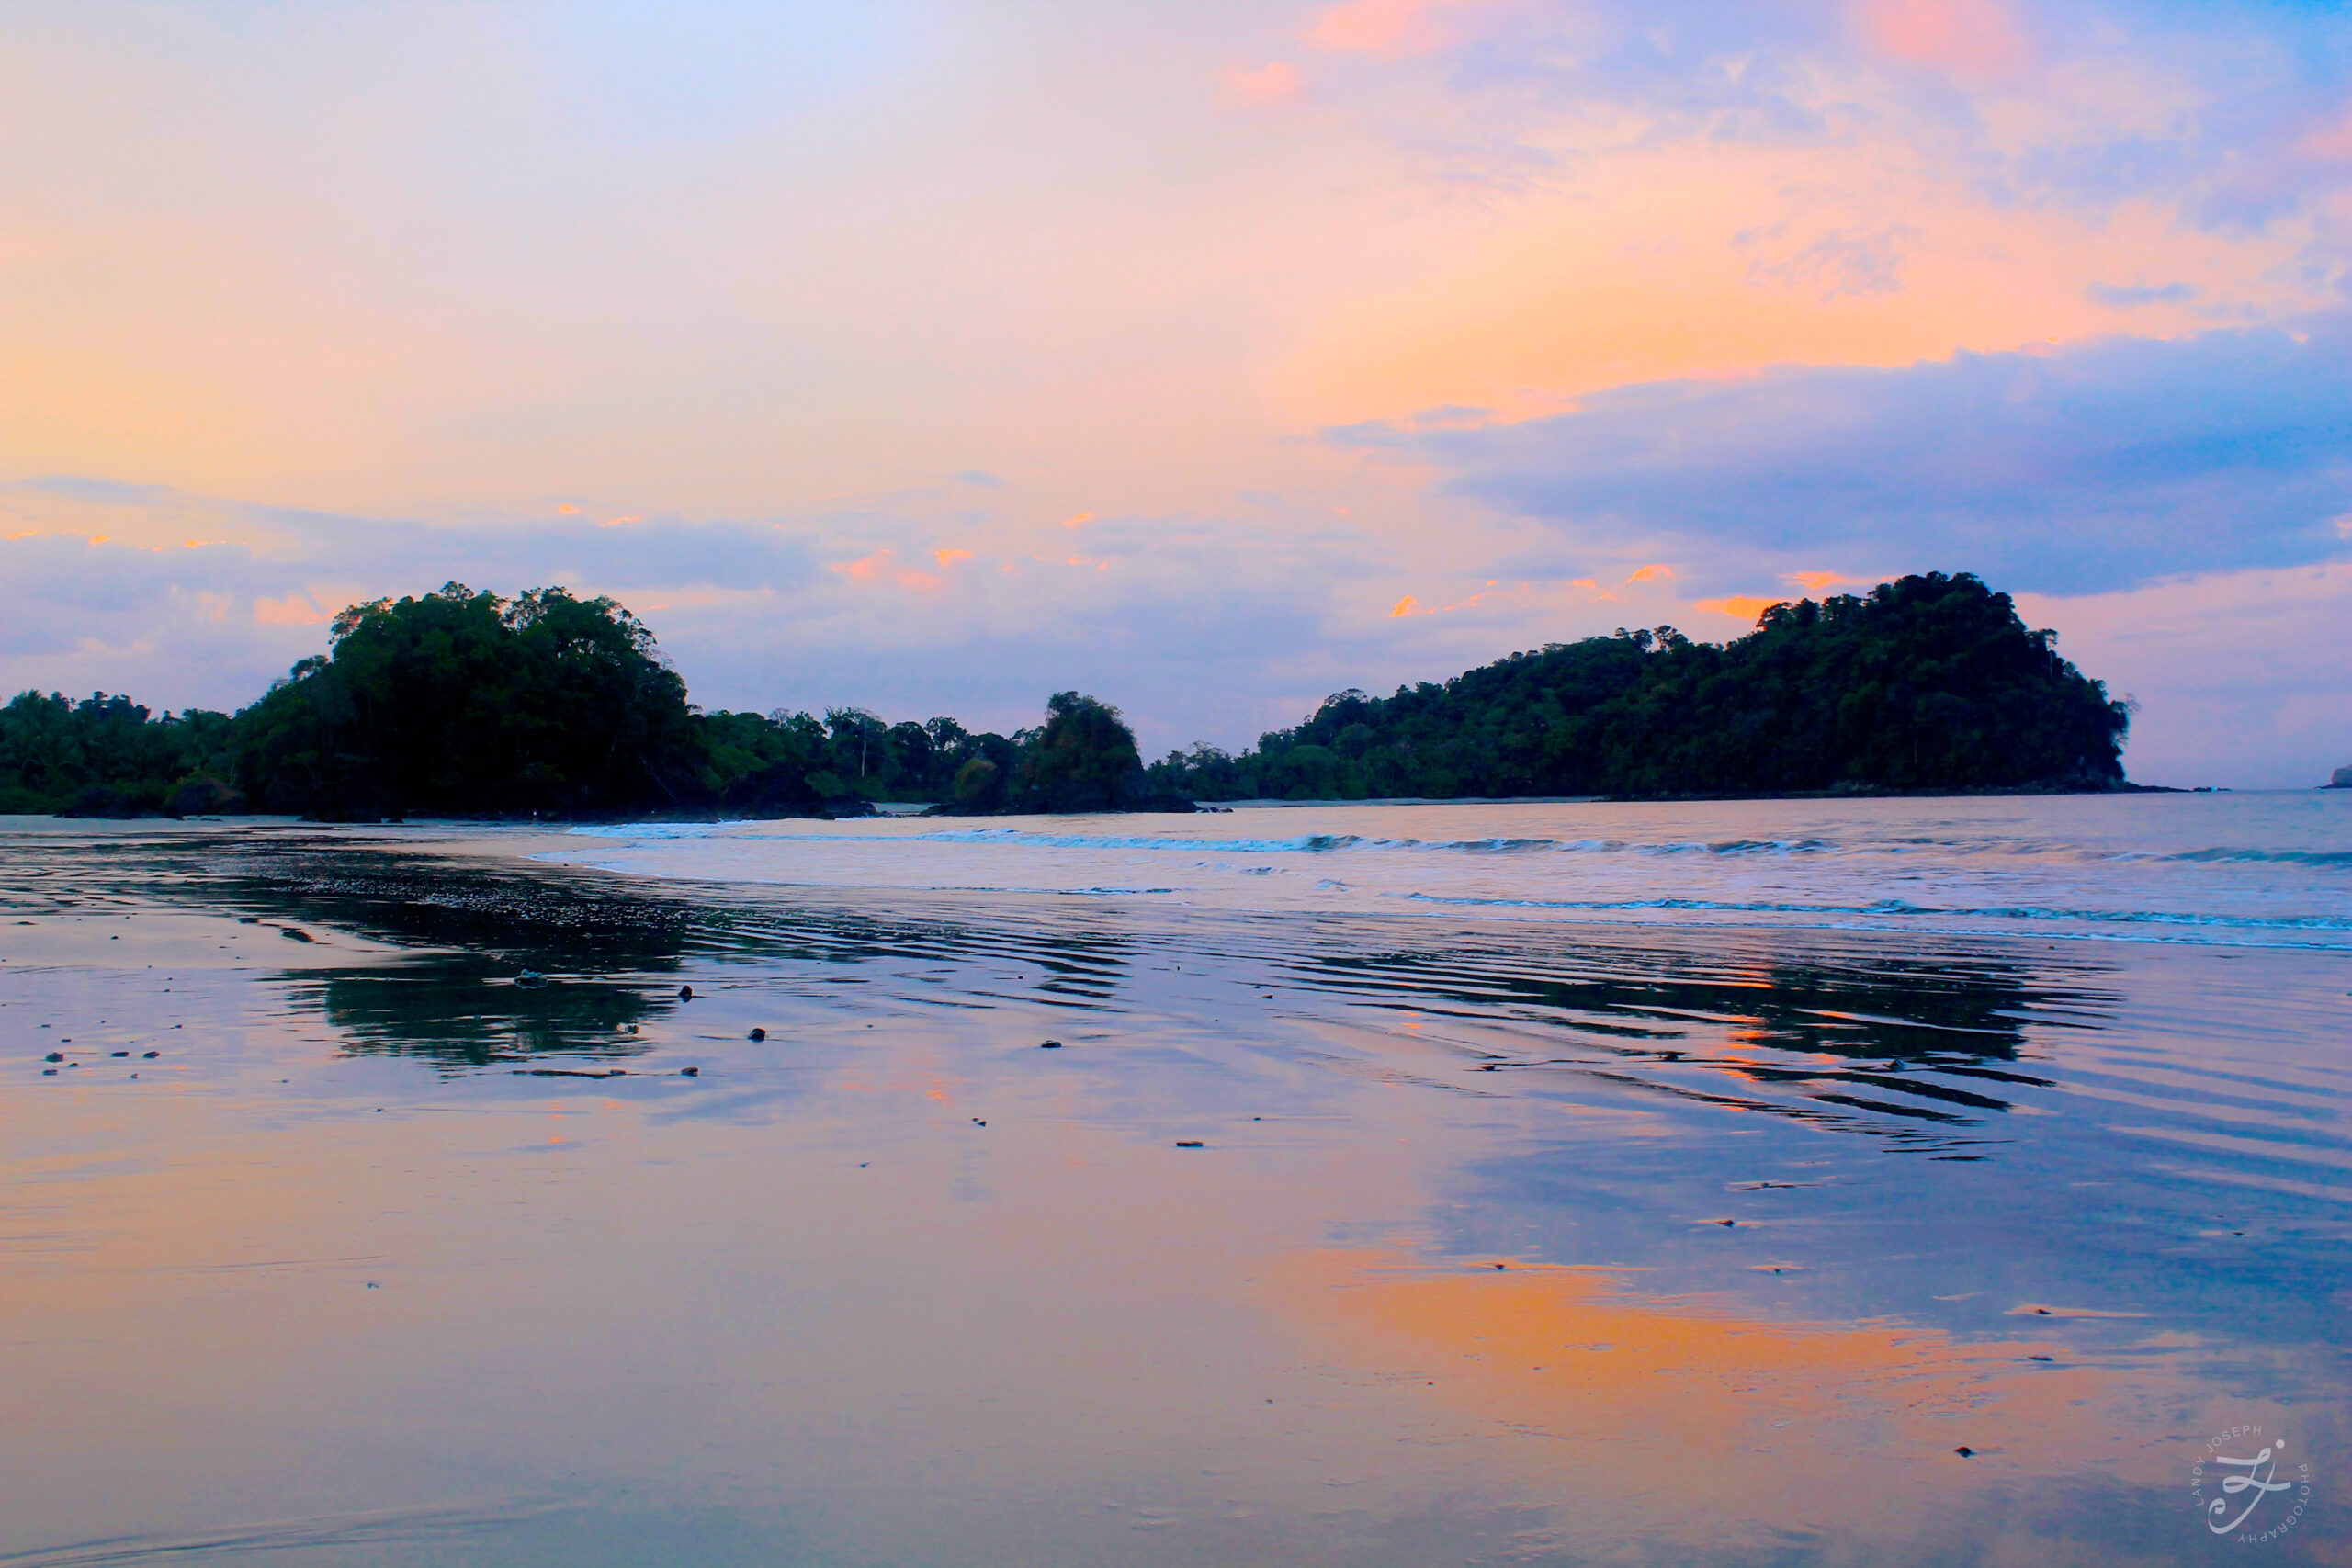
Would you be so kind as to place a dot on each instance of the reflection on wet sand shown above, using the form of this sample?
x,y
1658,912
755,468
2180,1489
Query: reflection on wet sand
x,y
1726,1434
1213,1282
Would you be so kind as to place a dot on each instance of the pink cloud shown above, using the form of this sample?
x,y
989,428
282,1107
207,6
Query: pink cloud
x,y
1385,26
867,567
294,610
949,558
2330,144
1975,38
1272,82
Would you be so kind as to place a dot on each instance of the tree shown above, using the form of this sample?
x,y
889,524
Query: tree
x,y
1927,682
1084,759
467,703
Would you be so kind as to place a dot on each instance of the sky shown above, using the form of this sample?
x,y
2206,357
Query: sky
x,y
1208,357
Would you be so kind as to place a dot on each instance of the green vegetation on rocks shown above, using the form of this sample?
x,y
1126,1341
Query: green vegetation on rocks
x,y
463,704
1930,682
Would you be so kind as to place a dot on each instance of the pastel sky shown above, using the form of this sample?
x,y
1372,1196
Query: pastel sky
x,y
1209,358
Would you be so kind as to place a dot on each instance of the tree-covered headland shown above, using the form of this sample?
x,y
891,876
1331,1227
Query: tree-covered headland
x,y
465,704
1926,684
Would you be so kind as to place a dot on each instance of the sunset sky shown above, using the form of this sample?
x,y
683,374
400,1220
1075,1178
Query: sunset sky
x,y
1209,358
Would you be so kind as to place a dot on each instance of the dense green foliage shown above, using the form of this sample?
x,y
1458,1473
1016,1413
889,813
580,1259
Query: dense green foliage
x,y
103,755
1083,757
464,704
461,702
1930,683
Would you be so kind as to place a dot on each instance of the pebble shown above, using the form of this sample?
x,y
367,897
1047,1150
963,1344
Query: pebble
x,y
686,993
1965,1452
759,1034
296,934
150,1056
1190,1143
1050,1046
54,1056
690,1072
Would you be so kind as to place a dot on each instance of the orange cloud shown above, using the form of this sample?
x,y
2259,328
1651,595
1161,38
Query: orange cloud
x,y
624,522
949,558
867,567
1747,606
1652,574
922,579
1814,581
1408,605
1977,37
1272,82
1081,521
291,611
567,510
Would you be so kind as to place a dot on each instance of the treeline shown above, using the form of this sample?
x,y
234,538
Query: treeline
x,y
464,704
54,750
1930,682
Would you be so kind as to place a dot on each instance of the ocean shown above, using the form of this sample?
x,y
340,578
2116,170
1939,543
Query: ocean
x,y
1906,1181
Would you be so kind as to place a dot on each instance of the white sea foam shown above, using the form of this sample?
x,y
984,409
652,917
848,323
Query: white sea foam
x,y
2273,869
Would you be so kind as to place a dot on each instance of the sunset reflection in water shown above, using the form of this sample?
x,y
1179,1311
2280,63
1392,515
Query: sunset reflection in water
x,y
341,1277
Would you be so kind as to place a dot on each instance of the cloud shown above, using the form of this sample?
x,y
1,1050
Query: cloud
x,y
1973,37
982,478
1839,264
2080,470
2125,297
1272,82
1739,607
1385,27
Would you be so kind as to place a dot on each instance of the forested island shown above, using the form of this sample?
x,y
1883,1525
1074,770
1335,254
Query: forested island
x,y
464,704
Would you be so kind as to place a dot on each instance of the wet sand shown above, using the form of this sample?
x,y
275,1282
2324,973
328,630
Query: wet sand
x,y
1500,1243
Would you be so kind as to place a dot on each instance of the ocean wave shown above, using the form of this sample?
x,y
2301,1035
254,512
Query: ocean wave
x,y
1900,907
2337,858
1306,843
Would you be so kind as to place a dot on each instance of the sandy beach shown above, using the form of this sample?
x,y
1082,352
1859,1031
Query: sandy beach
x,y
457,1233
